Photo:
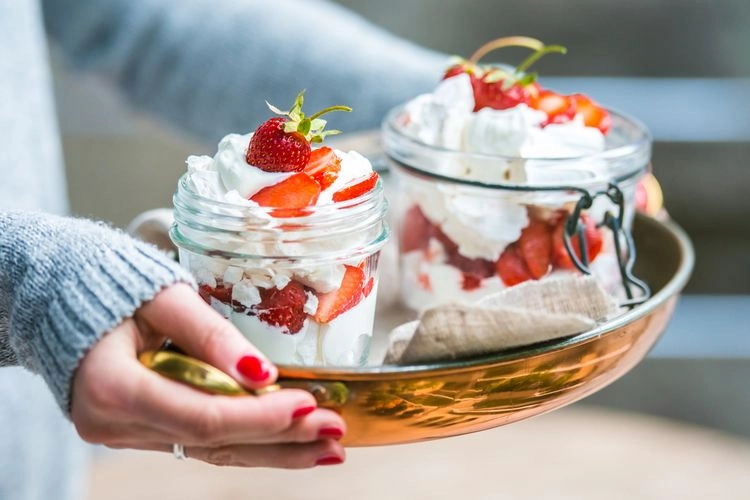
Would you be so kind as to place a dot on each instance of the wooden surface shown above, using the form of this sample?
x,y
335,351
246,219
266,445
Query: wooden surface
x,y
576,453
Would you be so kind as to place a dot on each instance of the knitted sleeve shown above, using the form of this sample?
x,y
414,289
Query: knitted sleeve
x,y
209,65
65,282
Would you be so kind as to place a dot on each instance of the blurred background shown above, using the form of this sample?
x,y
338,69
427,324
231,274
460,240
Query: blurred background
x,y
681,66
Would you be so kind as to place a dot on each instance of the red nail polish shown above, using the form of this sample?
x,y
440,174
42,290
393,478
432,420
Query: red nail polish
x,y
253,368
330,460
330,432
301,412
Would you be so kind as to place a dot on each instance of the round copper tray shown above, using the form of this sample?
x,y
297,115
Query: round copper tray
x,y
401,404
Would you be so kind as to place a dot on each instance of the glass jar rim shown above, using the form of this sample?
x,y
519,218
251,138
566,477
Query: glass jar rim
x,y
201,222
332,209
281,260
639,145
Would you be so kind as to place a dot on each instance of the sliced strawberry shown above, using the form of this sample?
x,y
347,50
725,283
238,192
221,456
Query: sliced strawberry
x,y
367,289
424,281
480,268
593,114
348,295
324,166
415,230
535,247
222,293
450,247
471,282
356,188
592,235
559,108
283,307
511,267
290,195
494,94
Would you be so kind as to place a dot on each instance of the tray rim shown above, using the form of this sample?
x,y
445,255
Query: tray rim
x,y
671,289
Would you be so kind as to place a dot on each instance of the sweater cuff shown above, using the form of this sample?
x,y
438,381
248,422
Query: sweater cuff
x,y
80,280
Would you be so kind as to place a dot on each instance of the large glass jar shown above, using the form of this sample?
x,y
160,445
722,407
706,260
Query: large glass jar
x,y
471,224
300,284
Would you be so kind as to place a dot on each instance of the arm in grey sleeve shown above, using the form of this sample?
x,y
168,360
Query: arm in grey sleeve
x,y
65,282
208,66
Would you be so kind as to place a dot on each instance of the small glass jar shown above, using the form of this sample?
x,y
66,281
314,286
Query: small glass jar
x,y
471,224
300,284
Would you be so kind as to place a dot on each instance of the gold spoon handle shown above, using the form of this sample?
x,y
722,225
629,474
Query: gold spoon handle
x,y
197,374
208,378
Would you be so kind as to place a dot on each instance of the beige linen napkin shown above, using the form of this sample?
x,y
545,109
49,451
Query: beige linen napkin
x,y
528,313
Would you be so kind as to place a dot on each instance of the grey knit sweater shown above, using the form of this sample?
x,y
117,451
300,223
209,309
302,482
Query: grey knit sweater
x,y
203,65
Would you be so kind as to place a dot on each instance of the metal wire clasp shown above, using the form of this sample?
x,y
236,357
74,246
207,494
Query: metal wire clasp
x,y
625,259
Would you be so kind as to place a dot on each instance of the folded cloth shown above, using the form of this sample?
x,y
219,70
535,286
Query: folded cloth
x,y
525,314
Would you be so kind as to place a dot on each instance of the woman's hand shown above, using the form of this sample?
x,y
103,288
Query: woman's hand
x,y
118,402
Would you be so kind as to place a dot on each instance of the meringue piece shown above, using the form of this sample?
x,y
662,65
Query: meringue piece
x,y
233,274
246,293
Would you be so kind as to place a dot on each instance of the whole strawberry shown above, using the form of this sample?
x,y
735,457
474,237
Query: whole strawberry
x,y
503,88
282,143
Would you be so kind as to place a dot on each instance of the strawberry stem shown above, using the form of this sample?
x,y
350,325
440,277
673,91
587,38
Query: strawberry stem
x,y
311,127
519,76
538,54
328,110
508,41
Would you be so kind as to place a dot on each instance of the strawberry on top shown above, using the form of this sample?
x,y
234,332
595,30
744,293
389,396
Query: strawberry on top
x,y
282,143
504,88
276,166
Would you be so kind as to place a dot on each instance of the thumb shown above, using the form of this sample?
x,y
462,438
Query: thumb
x,y
181,315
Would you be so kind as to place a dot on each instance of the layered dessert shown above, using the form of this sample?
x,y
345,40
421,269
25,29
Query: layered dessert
x,y
283,239
492,165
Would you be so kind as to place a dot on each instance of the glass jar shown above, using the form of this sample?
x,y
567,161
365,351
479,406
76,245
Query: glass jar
x,y
470,224
299,284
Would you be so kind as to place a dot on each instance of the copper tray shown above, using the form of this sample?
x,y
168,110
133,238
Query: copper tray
x,y
401,404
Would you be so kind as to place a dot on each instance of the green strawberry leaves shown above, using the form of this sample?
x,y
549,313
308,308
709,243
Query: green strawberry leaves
x,y
311,127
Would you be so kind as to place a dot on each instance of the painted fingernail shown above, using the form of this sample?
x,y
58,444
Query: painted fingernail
x,y
330,432
253,368
330,460
301,412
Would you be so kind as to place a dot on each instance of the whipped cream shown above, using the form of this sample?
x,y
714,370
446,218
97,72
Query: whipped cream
x,y
227,177
445,118
484,226
342,342
481,226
